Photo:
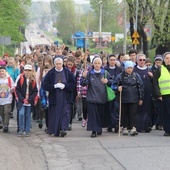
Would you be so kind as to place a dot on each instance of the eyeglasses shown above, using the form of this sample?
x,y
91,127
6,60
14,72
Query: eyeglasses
x,y
142,59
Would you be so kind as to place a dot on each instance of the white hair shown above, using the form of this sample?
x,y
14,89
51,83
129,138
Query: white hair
x,y
58,58
137,58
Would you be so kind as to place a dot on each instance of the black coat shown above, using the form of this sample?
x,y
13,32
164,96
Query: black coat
x,y
21,92
49,82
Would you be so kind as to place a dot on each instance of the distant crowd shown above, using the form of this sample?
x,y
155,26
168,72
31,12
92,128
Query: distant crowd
x,y
125,93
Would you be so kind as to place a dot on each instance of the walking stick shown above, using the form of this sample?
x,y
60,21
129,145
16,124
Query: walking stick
x,y
85,60
120,108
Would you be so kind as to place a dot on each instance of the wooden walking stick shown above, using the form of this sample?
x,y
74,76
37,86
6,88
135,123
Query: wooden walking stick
x,y
85,61
120,108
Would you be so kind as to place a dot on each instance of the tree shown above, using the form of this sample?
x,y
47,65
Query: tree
x,y
160,11
143,17
155,12
111,13
12,17
66,18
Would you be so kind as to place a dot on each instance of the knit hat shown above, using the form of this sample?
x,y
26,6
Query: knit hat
x,y
128,64
158,57
2,64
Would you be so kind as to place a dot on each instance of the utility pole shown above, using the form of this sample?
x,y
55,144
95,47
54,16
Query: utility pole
x,y
136,22
125,32
100,25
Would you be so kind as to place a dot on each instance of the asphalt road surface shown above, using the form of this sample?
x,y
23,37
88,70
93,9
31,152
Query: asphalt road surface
x,y
78,151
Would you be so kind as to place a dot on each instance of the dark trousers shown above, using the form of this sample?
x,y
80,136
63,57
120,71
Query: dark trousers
x,y
84,103
156,114
46,117
128,117
13,102
71,115
38,112
166,113
114,112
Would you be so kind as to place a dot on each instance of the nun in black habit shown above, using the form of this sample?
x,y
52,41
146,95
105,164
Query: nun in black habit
x,y
60,83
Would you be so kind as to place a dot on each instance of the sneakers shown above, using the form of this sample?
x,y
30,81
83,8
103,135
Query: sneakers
x,y
109,130
70,127
46,130
116,129
125,131
5,130
148,130
133,132
79,117
11,115
40,125
99,133
27,134
84,122
20,134
159,127
63,133
167,134
1,126
23,134
93,134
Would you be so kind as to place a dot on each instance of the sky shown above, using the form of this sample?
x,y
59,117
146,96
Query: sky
x,y
77,1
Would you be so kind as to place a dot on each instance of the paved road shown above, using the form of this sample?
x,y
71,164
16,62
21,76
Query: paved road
x,y
33,35
77,151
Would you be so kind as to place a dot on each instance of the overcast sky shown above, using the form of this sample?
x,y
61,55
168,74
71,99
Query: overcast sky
x,y
78,1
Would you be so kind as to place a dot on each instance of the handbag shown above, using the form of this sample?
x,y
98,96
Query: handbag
x,y
110,93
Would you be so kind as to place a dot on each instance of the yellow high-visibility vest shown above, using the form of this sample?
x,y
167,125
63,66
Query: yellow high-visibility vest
x,y
164,81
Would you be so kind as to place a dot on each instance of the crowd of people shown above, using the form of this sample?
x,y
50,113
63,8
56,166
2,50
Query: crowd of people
x,y
53,85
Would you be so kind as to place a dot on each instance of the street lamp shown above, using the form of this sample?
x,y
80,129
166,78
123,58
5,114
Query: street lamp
x,y
136,22
100,24
125,32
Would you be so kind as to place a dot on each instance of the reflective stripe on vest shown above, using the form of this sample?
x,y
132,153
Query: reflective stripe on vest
x,y
164,81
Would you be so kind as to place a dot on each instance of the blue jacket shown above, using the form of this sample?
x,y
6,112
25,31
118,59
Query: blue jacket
x,y
132,87
49,82
43,96
13,72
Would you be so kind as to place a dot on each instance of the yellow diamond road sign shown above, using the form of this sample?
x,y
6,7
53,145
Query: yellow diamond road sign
x,y
113,38
135,35
135,41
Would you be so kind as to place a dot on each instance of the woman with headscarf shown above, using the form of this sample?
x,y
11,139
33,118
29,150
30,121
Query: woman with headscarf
x,y
161,90
131,87
96,95
60,83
